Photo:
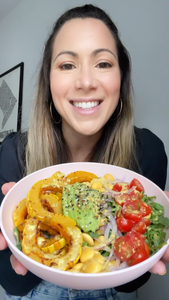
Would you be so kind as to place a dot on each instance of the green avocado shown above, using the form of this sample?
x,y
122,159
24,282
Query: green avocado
x,y
82,204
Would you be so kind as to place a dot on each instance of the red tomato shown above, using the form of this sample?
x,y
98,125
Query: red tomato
x,y
144,208
136,238
123,249
135,210
122,198
125,246
135,182
146,221
124,225
140,255
131,211
117,187
147,249
140,227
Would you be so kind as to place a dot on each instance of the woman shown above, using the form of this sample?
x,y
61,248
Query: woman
x,y
83,112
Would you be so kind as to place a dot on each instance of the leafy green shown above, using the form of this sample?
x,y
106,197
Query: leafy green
x,y
114,207
104,253
93,234
16,234
155,235
84,244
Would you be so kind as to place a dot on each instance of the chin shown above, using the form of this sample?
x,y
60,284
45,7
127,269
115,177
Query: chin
x,y
89,132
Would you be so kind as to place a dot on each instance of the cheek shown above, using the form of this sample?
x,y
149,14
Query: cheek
x,y
57,87
112,84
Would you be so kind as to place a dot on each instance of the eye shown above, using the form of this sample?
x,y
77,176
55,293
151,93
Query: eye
x,y
67,66
104,65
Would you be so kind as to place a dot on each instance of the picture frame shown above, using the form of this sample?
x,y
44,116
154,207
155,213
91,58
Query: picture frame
x,y
11,91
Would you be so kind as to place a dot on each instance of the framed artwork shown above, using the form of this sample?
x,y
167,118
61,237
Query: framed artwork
x,y
11,89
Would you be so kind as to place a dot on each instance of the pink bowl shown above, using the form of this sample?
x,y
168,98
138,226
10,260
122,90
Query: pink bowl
x,y
69,279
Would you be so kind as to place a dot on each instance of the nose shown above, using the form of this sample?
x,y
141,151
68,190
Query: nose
x,y
86,79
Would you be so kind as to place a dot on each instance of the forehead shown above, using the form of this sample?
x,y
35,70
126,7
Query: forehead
x,y
83,33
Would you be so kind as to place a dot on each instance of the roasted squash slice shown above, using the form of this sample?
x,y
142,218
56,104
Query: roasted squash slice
x,y
52,202
34,205
60,260
51,245
80,176
20,213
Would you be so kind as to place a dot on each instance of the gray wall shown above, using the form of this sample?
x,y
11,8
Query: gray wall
x,y
144,29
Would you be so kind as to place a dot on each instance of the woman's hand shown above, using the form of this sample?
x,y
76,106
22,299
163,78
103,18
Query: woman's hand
x,y
160,267
16,265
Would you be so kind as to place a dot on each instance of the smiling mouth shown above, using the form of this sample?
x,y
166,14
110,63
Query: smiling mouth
x,y
86,105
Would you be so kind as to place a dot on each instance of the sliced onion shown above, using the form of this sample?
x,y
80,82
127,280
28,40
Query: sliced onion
x,y
123,265
107,231
131,190
113,224
103,246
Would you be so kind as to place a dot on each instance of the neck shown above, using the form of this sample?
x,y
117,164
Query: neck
x,y
80,145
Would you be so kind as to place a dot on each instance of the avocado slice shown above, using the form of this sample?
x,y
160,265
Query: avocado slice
x,y
82,204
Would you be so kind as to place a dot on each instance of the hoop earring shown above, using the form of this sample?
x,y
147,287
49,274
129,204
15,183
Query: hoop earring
x,y
119,113
50,108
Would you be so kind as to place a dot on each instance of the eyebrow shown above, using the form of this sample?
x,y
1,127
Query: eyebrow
x,y
94,53
66,52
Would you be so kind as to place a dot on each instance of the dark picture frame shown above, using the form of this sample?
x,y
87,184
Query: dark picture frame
x,y
11,91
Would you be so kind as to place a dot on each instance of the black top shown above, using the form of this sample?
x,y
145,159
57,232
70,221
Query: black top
x,y
153,163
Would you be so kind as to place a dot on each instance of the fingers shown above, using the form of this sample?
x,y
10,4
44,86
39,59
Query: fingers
x,y
3,243
159,268
167,193
6,187
165,257
17,266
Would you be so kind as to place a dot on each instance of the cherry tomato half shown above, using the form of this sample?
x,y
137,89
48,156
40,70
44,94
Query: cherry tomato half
x,y
135,182
140,255
122,198
124,225
137,239
125,246
140,227
144,208
122,249
135,210
131,211
117,187
146,221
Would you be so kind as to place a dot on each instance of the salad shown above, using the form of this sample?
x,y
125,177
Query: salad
x,y
82,223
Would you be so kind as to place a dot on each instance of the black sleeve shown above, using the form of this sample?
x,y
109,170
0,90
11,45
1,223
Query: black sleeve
x,y
152,157
11,170
152,160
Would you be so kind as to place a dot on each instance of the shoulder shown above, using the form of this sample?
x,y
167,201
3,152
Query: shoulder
x,y
151,156
145,137
10,140
13,146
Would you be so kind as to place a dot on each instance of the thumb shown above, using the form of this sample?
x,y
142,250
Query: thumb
x,y
6,187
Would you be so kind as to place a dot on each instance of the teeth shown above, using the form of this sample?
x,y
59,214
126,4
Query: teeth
x,y
86,105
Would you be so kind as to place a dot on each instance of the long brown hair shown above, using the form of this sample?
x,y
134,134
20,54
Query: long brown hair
x,y
46,145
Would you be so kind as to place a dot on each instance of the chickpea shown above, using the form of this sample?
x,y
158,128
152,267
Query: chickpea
x,y
87,253
88,239
99,258
109,177
92,266
96,186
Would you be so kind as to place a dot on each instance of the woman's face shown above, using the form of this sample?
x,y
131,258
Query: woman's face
x,y
85,75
